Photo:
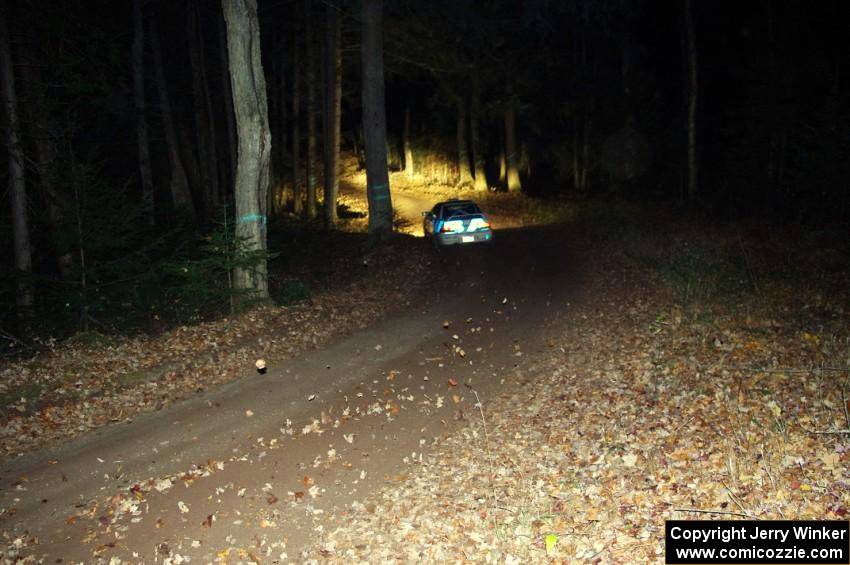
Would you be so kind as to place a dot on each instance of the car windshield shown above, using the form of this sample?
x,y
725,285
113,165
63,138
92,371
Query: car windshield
x,y
460,209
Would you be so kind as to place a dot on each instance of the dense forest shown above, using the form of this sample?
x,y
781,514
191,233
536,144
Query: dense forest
x,y
152,147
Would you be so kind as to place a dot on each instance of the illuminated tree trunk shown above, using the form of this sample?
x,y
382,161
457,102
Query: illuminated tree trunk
x,y
140,104
375,121
332,113
690,38
297,199
512,155
252,124
17,181
181,198
409,169
477,150
465,174
312,182
503,166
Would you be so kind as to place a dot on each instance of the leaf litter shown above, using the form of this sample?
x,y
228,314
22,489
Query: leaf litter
x,y
621,423
85,385
638,410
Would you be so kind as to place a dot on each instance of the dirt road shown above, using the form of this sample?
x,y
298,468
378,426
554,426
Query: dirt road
x,y
257,470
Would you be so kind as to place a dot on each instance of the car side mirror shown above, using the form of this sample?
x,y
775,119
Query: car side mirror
x,y
426,214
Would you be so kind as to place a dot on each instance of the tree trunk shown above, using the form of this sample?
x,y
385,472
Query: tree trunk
x,y
511,153
626,64
44,139
332,113
310,61
277,100
465,174
145,173
692,101
181,197
576,175
205,189
375,121
17,181
408,148
281,146
190,161
503,165
585,155
252,123
777,137
297,193
230,176
204,119
477,150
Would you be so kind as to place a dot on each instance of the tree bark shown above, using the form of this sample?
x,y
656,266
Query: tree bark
x,y
511,153
281,146
140,103
277,121
465,174
45,134
204,128
181,197
503,166
229,175
205,187
477,150
375,121
310,86
332,113
408,148
17,180
252,123
297,193
690,38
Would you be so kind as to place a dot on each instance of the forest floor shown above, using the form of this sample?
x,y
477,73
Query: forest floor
x,y
553,398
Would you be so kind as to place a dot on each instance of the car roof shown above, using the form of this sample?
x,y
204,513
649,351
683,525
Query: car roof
x,y
455,201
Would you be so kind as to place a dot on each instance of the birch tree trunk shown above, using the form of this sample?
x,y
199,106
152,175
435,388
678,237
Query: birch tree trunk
x,y
181,197
375,121
140,103
690,39
310,86
252,123
17,181
465,174
332,113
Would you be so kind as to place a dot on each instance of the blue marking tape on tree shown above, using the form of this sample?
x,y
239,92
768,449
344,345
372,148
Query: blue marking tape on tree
x,y
382,190
253,218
